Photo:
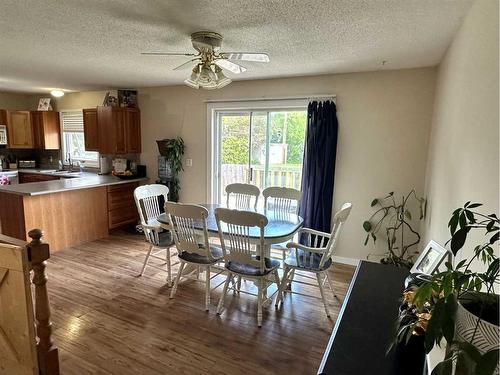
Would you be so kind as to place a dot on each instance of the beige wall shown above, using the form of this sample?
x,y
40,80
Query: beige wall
x,y
14,101
464,150
384,122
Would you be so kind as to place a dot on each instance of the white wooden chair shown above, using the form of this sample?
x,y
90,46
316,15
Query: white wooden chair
x,y
242,194
150,201
315,257
192,245
282,200
241,259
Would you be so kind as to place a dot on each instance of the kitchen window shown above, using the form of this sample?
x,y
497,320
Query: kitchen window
x,y
73,139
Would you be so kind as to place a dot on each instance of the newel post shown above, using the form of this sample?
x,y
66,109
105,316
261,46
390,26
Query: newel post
x,y
38,253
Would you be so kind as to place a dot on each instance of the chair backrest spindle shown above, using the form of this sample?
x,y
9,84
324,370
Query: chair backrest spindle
x,y
242,195
338,221
235,229
182,218
282,199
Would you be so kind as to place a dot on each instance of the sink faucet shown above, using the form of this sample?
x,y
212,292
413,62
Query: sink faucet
x,y
70,162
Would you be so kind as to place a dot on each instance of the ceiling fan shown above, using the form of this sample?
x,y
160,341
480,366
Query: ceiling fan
x,y
209,61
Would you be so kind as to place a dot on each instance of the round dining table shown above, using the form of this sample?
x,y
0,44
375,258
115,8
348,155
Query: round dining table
x,y
281,225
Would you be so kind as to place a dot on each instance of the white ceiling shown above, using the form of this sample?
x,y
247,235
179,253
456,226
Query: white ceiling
x,y
96,44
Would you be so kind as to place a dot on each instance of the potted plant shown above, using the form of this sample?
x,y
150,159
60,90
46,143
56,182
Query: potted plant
x,y
173,151
459,304
394,219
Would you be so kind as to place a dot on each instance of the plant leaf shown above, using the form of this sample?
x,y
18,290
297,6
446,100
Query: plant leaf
x,y
367,226
453,223
488,363
474,205
458,240
448,319
408,214
443,368
462,220
367,238
374,202
494,238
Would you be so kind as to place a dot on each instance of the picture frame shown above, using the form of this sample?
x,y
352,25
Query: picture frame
x,y
127,98
430,259
44,104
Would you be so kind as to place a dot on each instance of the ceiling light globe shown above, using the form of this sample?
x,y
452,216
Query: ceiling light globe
x,y
57,93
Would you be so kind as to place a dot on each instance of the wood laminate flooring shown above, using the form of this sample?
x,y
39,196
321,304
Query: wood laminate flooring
x,y
107,320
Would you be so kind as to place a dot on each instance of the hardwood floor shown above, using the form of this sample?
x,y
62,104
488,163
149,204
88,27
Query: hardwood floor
x,y
106,320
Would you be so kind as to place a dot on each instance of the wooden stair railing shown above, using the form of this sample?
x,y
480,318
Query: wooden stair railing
x,y
21,352
38,253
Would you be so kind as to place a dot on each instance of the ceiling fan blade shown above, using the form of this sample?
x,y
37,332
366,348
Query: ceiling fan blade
x,y
231,66
247,56
185,65
167,54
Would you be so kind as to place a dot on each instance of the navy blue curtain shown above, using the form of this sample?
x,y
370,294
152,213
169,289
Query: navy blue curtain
x,y
318,169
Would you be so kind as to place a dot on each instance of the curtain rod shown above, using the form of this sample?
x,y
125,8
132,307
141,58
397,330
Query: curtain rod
x,y
266,99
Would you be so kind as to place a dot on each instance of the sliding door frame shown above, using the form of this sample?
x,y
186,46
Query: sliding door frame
x,y
214,133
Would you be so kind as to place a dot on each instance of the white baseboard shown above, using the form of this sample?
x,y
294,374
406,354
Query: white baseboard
x,y
344,260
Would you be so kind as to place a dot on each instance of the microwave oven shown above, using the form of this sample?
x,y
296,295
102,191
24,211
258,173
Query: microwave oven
x,y
3,135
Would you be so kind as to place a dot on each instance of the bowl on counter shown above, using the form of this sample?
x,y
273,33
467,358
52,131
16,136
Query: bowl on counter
x,y
123,176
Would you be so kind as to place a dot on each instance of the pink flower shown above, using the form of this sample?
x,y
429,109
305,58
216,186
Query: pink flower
x,y
4,180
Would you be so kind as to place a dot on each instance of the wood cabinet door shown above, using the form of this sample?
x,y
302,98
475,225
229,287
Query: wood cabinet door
x,y
20,131
119,125
51,130
90,129
133,131
37,126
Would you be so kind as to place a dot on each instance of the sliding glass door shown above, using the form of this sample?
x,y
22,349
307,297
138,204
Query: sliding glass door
x,y
260,147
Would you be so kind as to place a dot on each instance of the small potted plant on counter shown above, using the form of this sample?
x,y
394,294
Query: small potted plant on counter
x,y
459,304
395,220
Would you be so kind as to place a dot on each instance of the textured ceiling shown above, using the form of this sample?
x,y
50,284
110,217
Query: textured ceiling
x,y
96,44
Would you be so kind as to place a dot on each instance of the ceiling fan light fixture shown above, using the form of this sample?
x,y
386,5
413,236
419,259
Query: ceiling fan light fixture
x,y
193,84
222,80
193,80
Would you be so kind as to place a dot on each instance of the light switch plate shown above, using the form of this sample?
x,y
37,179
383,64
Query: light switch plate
x,y
189,162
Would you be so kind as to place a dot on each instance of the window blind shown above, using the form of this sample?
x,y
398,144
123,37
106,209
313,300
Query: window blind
x,y
72,121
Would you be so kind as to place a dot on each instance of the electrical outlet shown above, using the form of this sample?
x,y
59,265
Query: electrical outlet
x,y
189,162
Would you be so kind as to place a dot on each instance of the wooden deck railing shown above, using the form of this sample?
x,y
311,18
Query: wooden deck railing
x,y
282,175
26,345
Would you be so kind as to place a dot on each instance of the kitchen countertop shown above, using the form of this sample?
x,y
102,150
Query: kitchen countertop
x,y
82,180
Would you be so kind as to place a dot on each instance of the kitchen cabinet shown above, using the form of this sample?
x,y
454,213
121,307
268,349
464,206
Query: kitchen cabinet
x,y
133,131
122,210
46,130
90,129
19,129
3,117
114,130
25,177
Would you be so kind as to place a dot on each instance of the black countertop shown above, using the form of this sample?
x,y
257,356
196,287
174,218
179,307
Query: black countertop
x,y
366,324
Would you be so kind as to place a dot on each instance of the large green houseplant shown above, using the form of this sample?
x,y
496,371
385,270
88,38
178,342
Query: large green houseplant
x,y
173,151
393,219
439,302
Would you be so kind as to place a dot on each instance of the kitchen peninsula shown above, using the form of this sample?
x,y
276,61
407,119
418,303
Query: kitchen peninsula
x,y
70,211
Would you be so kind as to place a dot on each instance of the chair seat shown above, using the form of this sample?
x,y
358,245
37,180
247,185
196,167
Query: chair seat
x,y
306,260
166,239
250,270
202,259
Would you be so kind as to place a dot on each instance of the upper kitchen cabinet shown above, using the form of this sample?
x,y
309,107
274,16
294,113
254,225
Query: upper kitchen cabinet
x,y
90,129
116,131
3,117
19,129
46,130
